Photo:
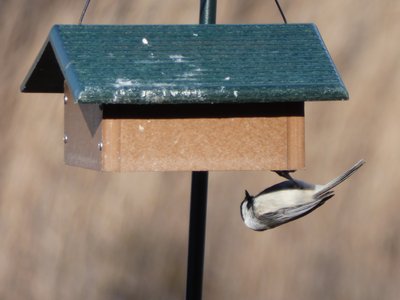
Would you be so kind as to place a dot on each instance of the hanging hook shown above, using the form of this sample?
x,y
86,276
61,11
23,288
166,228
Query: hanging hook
x,y
281,11
84,11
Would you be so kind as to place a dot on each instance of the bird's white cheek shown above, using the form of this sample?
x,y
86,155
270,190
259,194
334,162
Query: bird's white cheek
x,y
251,221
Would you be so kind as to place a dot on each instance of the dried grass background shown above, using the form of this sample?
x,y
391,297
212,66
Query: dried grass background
x,y
70,233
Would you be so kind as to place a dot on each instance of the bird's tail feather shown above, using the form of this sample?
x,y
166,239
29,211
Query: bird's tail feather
x,y
331,184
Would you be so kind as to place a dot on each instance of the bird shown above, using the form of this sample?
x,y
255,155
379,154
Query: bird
x,y
288,200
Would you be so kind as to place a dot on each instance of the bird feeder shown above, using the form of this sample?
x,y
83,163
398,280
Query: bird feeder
x,y
185,97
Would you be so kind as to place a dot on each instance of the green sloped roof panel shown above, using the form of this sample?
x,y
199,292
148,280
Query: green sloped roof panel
x,y
142,64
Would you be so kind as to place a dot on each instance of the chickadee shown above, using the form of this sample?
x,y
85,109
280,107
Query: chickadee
x,y
288,200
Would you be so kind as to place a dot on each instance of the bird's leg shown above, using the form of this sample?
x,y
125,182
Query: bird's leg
x,y
286,174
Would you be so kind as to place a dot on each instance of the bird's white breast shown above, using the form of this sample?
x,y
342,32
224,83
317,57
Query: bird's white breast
x,y
274,201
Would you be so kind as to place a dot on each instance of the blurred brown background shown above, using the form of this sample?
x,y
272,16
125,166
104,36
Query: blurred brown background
x,y
70,233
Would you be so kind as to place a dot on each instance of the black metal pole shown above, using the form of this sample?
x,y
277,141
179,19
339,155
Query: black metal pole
x,y
197,235
198,200
208,11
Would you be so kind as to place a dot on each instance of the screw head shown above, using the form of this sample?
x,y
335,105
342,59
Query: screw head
x,y
65,99
100,146
65,139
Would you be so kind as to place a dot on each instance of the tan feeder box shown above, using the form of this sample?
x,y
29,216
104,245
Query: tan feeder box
x,y
185,97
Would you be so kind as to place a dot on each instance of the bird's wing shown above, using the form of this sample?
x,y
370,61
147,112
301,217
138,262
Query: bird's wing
x,y
287,185
287,214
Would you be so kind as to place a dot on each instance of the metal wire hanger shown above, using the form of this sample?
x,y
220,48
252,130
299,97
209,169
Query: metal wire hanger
x,y
88,2
84,11
281,11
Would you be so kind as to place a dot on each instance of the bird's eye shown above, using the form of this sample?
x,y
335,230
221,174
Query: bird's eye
x,y
249,203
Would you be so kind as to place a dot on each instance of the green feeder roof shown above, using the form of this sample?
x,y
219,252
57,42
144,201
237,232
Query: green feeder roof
x,y
176,64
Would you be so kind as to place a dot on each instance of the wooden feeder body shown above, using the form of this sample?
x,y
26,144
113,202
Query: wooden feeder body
x,y
185,97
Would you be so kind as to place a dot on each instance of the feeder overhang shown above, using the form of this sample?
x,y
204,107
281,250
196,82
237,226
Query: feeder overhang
x,y
181,64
